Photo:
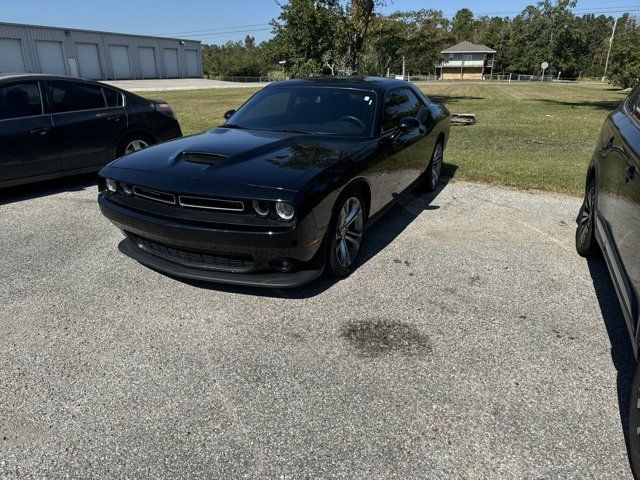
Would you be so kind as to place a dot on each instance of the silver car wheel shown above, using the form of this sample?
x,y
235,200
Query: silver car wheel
x,y
436,168
135,145
349,231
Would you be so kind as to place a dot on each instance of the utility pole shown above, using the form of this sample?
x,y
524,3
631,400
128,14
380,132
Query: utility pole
x,y
403,67
606,64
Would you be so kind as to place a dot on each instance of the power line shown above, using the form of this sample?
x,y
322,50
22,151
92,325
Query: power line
x,y
584,11
625,9
214,30
213,35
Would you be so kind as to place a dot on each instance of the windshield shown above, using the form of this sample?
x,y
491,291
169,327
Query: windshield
x,y
319,110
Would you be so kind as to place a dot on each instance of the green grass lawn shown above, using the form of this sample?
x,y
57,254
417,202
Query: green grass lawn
x,y
528,135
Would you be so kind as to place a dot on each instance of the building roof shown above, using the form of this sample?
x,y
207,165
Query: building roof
x,y
28,25
468,47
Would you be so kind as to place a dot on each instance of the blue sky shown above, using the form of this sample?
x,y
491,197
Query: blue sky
x,y
216,21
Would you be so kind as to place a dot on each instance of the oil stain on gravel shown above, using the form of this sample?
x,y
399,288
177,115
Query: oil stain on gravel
x,y
375,338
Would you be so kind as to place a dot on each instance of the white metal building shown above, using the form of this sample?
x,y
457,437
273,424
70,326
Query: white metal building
x,y
96,55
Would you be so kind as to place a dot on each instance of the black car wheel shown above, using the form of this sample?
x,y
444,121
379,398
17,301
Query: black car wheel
x,y
132,143
434,170
586,243
634,426
345,234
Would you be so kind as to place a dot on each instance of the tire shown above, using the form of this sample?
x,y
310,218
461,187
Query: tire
x,y
434,170
132,143
345,234
586,243
634,413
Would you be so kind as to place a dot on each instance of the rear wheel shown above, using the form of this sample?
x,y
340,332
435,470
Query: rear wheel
x,y
586,243
634,425
345,234
434,170
133,143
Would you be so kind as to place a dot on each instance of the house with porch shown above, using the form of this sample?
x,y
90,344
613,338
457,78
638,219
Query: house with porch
x,y
466,61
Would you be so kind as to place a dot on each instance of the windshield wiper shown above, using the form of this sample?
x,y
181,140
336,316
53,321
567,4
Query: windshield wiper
x,y
233,125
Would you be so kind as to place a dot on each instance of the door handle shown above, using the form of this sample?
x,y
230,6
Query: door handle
x,y
114,118
631,173
39,131
608,145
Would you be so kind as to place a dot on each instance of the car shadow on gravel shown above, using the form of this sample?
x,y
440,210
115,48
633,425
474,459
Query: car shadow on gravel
x,y
408,207
621,348
43,189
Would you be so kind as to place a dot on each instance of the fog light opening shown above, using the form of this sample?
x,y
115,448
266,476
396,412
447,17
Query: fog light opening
x,y
284,264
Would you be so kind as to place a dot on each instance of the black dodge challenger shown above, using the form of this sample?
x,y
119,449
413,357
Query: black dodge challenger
x,y
284,189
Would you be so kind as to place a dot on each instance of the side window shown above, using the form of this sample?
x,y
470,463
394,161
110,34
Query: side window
x,y
113,98
399,103
20,100
74,96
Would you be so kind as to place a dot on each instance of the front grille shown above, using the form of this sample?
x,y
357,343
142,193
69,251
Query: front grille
x,y
210,261
210,203
155,195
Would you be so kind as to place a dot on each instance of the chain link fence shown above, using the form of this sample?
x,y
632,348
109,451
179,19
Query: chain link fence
x,y
241,79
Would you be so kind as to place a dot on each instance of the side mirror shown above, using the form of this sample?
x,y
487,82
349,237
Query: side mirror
x,y
409,124
227,115
406,124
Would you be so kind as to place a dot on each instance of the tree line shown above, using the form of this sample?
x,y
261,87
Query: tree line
x,y
347,37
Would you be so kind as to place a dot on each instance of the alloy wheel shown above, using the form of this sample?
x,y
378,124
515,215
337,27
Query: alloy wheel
x,y
135,145
349,231
586,215
436,167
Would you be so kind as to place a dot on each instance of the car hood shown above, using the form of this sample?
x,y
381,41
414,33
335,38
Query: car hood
x,y
247,157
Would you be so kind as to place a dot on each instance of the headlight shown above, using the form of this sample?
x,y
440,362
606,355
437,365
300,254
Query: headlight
x,y
285,211
112,185
261,208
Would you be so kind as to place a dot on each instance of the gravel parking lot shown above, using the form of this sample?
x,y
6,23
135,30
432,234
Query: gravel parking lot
x,y
472,342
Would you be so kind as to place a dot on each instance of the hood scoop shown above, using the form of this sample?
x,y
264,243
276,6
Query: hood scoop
x,y
203,157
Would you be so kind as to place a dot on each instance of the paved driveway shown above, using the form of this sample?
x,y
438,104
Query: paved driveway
x,y
472,342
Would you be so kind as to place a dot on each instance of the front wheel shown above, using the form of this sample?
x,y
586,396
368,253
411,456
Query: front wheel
x,y
434,170
345,234
586,243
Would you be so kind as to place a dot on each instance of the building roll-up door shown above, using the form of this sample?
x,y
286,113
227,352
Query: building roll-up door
x,y
171,62
192,64
11,59
120,62
89,61
148,62
50,57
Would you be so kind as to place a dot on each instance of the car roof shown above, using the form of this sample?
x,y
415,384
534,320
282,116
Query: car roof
x,y
378,84
42,76
38,76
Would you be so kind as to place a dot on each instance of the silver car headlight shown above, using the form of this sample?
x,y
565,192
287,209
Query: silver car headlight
x,y
112,185
285,211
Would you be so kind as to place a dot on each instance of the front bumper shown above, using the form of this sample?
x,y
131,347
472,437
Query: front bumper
x,y
218,255
268,279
